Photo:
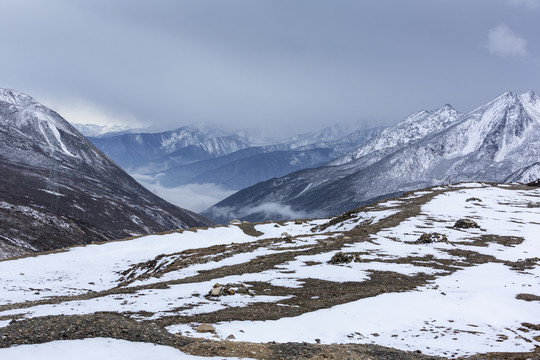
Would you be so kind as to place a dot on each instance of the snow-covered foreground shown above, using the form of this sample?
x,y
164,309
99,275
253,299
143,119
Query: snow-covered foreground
x,y
476,291
99,348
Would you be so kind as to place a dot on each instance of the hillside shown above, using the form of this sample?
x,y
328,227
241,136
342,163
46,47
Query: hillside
x,y
445,272
57,189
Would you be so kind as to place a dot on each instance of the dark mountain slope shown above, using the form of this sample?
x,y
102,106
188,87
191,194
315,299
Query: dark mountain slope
x,y
57,189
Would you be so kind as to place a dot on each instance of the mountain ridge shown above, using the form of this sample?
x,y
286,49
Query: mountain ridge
x,y
59,189
489,143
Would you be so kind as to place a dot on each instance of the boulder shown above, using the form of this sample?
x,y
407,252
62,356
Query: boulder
x,y
429,238
466,224
206,328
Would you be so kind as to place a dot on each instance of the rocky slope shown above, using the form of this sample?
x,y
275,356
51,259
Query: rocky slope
x,y
497,142
445,272
57,189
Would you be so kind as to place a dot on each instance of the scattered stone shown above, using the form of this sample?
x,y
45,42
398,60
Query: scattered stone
x,y
206,328
217,290
535,327
230,337
522,265
229,289
528,297
242,290
298,222
344,258
318,341
428,238
466,224
533,205
473,199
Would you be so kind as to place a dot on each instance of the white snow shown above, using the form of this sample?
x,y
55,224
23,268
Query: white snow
x,y
98,348
475,308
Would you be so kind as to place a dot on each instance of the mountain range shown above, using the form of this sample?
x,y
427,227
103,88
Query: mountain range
x,y
57,189
202,153
497,142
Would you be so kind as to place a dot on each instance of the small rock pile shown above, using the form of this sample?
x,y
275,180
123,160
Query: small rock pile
x,y
429,238
344,258
229,289
466,224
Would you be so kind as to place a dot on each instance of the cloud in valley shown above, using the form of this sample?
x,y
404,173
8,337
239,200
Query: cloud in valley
x,y
194,197
270,210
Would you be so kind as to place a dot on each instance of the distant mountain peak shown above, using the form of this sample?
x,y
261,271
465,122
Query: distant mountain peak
x,y
497,142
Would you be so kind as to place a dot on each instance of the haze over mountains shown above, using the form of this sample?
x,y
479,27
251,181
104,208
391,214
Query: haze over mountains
x,y
203,154
57,189
497,142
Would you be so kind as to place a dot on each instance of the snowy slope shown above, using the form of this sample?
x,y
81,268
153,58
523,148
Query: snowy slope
x,y
497,142
474,291
414,127
57,189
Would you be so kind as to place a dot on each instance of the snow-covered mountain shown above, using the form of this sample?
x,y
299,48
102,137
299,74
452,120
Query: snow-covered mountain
x,y
93,130
414,127
497,142
202,153
442,273
251,165
57,189
149,152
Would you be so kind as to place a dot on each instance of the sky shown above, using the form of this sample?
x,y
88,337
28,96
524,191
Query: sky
x,y
281,65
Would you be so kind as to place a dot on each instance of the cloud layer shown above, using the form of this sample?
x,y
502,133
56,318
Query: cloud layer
x,y
296,65
194,197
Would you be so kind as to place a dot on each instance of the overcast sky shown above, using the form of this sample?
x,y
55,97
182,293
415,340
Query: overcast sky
x,y
299,64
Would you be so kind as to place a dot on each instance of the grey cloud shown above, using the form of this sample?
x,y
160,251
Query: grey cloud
x,y
299,64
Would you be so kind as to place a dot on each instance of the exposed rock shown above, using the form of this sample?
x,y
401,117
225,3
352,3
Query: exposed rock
x,y
229,289
428,238
534,183
522,265
528,297
235,222
206,328
217,290
474,199
343,258
466,224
